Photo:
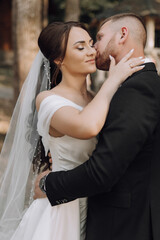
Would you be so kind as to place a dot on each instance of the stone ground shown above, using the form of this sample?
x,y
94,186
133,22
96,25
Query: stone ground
x,y
6,99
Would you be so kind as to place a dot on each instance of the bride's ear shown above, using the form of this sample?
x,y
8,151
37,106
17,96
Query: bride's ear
x,y
58,62
123,35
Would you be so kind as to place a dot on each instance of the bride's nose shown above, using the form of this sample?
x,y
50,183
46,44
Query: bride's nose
x,y
91,51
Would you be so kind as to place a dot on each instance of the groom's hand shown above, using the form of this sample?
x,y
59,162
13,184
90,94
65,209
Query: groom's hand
x,y
37,191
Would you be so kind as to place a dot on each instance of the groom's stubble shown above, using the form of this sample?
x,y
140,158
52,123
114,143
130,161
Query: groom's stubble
x,y
103,60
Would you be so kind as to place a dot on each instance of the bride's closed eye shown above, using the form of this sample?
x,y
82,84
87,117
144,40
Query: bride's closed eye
x,y
80,48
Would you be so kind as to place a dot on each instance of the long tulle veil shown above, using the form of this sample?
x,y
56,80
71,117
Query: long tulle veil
x,y
18,150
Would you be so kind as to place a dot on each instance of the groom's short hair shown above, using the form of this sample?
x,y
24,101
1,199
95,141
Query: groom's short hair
x,y
123,16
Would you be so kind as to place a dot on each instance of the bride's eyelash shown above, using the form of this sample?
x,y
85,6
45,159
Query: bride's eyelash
x,y
80,48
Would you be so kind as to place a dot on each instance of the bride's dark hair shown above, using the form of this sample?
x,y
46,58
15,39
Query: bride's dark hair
x,y
52,42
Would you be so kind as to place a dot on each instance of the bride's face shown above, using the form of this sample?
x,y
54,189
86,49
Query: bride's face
x,y
80,53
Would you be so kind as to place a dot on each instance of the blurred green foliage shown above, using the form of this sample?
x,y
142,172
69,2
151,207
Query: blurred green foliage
x,y
90,9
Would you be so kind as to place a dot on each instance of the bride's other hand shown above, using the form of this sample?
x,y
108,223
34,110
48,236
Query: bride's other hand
x,y
125,68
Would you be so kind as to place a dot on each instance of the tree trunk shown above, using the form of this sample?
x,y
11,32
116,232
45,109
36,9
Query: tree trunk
x,y
72,10
28,18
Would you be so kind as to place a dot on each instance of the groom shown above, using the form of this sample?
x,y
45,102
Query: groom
x,y
122,177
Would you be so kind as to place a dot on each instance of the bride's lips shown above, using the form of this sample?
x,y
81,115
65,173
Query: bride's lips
x,y
91,61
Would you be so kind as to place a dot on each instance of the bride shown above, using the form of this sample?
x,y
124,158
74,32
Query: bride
x,y
68,120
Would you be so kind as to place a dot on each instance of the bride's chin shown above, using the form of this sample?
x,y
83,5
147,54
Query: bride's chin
x,y
93,70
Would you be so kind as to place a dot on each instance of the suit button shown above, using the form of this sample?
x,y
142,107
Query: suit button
x,y
64,200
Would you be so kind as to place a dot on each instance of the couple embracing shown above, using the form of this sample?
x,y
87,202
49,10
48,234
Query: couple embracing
x,y
105,153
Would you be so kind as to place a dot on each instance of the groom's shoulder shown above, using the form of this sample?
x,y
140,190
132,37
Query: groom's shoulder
x,y
147,77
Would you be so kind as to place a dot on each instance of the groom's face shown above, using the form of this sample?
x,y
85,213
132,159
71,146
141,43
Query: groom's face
x,y
105,46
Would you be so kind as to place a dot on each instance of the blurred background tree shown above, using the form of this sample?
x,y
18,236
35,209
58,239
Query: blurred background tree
x,y
28,18
82,10
72,10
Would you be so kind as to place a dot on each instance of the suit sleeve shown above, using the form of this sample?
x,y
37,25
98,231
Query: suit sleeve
x,y
131,121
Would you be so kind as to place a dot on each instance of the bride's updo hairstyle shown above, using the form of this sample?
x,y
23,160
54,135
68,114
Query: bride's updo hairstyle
x,y
53,43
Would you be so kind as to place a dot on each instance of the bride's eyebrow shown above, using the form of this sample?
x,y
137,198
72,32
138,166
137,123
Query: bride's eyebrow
x,y
82,41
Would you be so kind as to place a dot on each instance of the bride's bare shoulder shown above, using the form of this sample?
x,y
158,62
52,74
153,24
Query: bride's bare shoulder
x,y
41,96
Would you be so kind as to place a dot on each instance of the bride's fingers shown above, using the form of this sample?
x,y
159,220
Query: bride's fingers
x,y
127,56
113,62
133,62
137,68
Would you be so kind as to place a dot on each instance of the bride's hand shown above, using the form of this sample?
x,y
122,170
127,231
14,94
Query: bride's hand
x,y
126,67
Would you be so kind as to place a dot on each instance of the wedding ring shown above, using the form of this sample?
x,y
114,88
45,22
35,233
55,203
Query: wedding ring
x,y
131,65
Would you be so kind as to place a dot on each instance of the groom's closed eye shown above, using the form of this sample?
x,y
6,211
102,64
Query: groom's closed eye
x,y
99,37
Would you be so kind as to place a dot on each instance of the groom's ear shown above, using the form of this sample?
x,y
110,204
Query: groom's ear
x,y
123,35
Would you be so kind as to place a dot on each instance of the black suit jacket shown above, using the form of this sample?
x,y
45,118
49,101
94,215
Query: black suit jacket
x,y
122,177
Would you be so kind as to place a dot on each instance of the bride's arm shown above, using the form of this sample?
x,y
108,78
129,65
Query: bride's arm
x,y
88,122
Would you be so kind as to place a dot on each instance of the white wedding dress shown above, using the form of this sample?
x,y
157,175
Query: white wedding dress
x,y
67,221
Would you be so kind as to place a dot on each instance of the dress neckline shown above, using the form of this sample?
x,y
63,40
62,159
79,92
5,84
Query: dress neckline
x,y
56,95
